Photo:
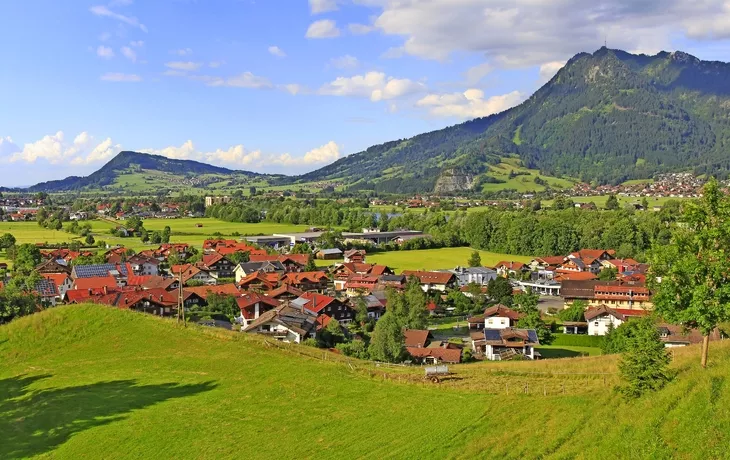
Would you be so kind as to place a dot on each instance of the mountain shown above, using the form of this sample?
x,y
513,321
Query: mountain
x,y
607,117
133,171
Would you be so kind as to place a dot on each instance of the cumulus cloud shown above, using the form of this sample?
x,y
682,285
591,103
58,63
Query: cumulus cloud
x,y
183,66
7,146
322,6
104,52
549,69
469,104
345,62
56,150
129,53
238,156
103,11
374,85
121,77
293,88
326,28
521,33
276,51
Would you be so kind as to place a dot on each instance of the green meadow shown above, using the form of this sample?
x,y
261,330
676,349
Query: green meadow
x,y
95,382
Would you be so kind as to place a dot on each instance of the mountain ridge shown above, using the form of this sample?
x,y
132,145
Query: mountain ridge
x,y
605,117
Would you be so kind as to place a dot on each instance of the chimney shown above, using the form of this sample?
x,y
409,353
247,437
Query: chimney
x,y
105,291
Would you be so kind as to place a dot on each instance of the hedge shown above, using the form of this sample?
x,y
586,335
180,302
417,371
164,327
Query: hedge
x,y
578,340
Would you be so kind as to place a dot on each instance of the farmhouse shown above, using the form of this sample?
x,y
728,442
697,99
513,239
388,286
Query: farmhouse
x,y
602,319
615,294
433,281
329,254
252,306
506,343
285,323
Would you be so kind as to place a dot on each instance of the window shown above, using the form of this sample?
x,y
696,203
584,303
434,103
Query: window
x,y
596,324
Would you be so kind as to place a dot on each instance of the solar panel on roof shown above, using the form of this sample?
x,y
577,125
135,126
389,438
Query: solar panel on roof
x,y
101,270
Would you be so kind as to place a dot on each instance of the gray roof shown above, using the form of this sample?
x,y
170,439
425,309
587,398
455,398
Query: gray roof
x,y
101,270
496,334
331,251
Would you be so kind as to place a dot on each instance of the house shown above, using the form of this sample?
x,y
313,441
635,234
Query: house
x,y
507,269
329,254
575,327
620,265
441,353
96,283
217,265
615,294
144,266
343,272
394,281
260,281
188,272
494,317
119,272
679,336
355,256
252,306
507,343
375,306
285,323
47,292
158,282
477,275
320,304
221,289
157,302
307,281
284,292
62,281
433,281
242,270
415,338
359,285
601,319
53,266
291,262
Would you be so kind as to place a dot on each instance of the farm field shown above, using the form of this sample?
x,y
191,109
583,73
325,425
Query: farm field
x,y
431,259
524,178
96,382
600,201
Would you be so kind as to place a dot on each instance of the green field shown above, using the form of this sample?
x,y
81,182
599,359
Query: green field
x,y
95,382
431,259
525,181
600,201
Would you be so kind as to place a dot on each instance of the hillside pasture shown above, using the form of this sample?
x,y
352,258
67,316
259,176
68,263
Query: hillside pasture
x,y
96,382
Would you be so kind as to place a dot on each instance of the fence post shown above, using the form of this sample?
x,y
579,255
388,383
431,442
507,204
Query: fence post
x,y
506,387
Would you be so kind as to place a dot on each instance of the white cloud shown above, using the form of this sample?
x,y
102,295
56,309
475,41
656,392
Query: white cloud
x,y
7,146
238,156
103,11
523,33
345,62
121,77
549,69
469,104
215,64
326,28
183,66
475,74
293,88
182,52
276,51
55,150
360,29
137,44
374,85
129,53
105,36
322,6
104,52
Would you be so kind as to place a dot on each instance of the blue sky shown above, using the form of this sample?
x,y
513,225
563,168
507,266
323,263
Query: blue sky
x,y
288,86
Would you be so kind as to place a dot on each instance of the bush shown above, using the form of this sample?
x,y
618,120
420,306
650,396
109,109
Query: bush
x,y
576,340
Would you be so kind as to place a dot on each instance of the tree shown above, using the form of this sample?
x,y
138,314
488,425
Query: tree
x,y
252,191
6,241
500,290
607,274
361,311
156,238
461,303
533,320
331,335
475,260
27,257
416,316
644,203
224,304
311,265
644,365
574,313
525,302
166,234
89,240
240,257
690,276
17,300
612,203
387,340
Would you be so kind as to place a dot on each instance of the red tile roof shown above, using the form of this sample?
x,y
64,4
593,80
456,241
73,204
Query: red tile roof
x,y
223,289
502,311
416,338
95,283
58,278
430,277
447,355
317,302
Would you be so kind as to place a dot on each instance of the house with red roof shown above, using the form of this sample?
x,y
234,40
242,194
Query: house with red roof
x,y
510,268
62,281
355,256
494,317
320,304
260,281
433,281
285,292
602,319
253,305
360,285
189,272
307,281
217,265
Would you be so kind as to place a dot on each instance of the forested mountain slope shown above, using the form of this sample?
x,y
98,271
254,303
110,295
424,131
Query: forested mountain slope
x,y
609,116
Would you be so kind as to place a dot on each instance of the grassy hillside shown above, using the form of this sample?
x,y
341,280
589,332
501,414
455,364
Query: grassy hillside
x,y
94,382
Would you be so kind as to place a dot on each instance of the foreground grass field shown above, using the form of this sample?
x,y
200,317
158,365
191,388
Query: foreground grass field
x,y
95,382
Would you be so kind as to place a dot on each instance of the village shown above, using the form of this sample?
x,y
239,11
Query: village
x,y
258,285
